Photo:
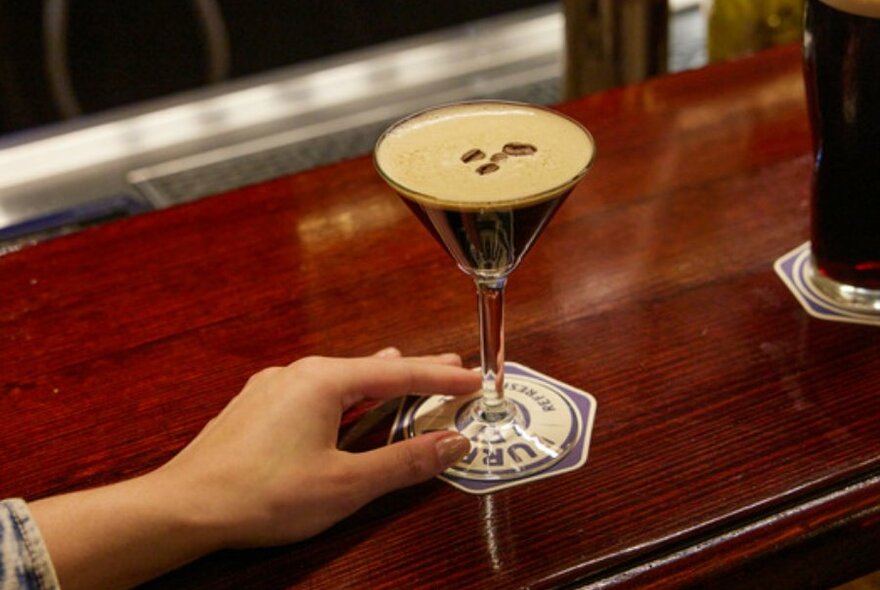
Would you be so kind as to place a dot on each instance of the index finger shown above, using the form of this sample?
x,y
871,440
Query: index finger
x,y
352,380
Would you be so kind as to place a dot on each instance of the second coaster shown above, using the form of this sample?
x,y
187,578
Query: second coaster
x,y
793,269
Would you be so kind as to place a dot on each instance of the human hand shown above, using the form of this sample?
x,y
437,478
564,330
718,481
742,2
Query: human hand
x,y
267,470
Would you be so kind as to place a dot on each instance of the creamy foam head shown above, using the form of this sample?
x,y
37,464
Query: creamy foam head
x,y
869,8
484,152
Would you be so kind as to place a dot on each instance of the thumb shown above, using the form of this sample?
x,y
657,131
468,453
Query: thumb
x,y
409,462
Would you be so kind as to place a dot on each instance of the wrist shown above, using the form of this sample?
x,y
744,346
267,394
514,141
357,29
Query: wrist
x,y
181,512
123,534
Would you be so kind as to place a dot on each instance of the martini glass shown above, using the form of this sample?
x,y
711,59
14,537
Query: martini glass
x,y
485,178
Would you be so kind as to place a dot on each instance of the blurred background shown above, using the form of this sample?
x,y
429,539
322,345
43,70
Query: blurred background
x,y
110,108
118,52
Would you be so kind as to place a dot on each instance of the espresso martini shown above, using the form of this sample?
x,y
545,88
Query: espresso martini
x,y
485,178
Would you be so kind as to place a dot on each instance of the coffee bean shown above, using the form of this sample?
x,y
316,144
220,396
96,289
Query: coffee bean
x,y
487,169
472,155
498,157
519,149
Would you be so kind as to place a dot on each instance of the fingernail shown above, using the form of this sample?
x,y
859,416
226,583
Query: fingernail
x,y
389,352
451,357
452,448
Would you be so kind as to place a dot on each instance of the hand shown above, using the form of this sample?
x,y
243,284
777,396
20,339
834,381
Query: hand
x,y
267,469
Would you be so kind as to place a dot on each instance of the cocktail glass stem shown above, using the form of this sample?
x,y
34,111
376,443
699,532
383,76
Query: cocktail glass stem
x,y
490,297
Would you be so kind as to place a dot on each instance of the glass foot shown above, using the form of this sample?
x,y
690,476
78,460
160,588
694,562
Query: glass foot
x,y
846,296
539,428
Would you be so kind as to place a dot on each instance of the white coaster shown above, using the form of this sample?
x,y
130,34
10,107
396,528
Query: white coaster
x,y
568,411
792,269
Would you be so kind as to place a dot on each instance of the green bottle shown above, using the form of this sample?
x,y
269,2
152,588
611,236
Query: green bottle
x,y
740,27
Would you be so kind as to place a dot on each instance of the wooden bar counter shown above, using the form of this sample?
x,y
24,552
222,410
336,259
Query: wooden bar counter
x,y
737,439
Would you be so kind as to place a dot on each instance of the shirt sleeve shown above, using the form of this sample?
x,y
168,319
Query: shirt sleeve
x,y
24,560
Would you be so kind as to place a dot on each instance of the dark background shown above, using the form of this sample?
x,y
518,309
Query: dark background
x,y
124,51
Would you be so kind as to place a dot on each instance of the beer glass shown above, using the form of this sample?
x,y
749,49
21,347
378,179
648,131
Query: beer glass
x,y
842,76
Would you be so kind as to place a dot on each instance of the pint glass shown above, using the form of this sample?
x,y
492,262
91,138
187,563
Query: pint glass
x,y
842,75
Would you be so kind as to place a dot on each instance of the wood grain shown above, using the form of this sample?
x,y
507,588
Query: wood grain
x,y
735,436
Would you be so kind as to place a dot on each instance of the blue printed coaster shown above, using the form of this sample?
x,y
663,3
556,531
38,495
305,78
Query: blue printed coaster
x,y
793,269
567,411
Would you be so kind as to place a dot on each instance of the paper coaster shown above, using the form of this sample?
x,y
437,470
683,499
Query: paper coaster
x,y
574,411
792,268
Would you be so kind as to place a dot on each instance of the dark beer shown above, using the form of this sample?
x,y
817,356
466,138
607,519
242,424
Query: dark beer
x,y
842,74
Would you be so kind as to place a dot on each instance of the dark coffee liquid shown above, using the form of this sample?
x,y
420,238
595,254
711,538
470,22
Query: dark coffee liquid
x,y
490,242
842,74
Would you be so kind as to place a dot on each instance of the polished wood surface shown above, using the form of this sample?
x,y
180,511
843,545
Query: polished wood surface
x,y
737,439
